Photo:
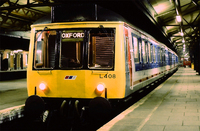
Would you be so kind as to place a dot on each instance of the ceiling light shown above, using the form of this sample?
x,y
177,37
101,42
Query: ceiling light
x,y
181,33
178,18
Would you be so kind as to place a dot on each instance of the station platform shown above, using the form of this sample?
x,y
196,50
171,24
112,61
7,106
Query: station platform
x,y
12,74
172,106
13,93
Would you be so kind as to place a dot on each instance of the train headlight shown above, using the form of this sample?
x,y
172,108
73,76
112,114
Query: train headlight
x,y
100,88
44,87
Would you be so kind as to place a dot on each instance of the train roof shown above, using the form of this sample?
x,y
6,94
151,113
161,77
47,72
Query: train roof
x,y
80,12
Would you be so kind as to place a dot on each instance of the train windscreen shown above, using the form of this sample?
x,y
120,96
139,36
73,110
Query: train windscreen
x,y
71,49
74,49
101,49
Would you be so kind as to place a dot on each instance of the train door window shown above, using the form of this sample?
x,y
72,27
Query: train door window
x,y
101,49
144,51
44,55
71,49
136,53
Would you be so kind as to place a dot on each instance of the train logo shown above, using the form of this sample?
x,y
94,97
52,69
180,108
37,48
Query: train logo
x,y
70,77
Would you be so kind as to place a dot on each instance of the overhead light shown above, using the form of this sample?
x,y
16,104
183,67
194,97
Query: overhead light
x,y
178,18
183,41
181,33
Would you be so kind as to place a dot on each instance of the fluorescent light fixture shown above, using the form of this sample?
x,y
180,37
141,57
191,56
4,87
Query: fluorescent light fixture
x,y
178,18
181,33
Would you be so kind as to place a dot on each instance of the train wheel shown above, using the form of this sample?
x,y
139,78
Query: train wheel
x,y
34,107
99,109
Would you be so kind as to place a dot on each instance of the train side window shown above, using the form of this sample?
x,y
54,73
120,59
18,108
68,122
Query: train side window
x,y
44,49
140,51
136,53
154,54
147,51
160,55
170,58
101,49
164,59
150,53
144,51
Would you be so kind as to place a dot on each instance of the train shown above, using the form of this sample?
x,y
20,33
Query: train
x,y
184,62
91,64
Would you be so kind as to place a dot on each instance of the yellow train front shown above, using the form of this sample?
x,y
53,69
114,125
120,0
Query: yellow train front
x,y
76,62
91,65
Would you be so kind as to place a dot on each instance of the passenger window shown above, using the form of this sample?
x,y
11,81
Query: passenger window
x,y
154,54
160,55
149,50
140,50
136,53
164,52
144,51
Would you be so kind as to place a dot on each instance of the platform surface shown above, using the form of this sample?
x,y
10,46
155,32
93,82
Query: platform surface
x,y
13,93
172,106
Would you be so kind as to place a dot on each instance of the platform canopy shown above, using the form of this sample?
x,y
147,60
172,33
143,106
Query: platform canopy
x,y
159,18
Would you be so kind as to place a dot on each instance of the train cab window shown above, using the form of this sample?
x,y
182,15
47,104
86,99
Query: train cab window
x,y
71,49
144,51
101,49
44,49
136,53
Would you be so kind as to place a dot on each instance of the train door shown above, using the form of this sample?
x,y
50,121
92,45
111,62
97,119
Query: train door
x,y
128,56
135,42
